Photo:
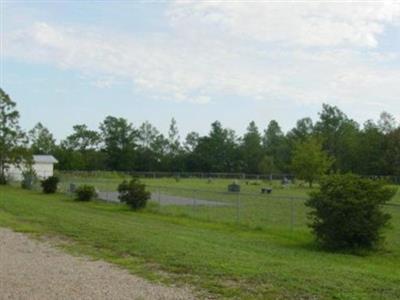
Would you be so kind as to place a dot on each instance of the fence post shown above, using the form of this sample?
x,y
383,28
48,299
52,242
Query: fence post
x,y
238,208
291,213
159,198
194,200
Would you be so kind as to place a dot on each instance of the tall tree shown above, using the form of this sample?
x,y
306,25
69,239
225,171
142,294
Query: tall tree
x,y
191,141
387,123
370,152
303,130
175,151
217,152
120,142
392,153
338,134
42,140
251,149
82,139
12,139
310,161
173,138
150,151
276,146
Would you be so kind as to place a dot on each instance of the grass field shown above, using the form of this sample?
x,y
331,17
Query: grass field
x,y
284,208
220,259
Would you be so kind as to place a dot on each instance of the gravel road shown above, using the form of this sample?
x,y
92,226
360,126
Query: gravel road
x,y
165,199
31,269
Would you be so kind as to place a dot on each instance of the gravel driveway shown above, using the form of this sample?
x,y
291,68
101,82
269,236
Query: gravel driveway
x,y
30,269
165,199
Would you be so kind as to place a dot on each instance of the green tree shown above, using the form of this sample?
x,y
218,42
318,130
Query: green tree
x,y
174,150
387,123
82,139
120,142
392,152
310,161
304,129
371,151
276,145
266,165
12,140
251,148
151,148
81,150
338,134
42,140
347,212
174,144
218,151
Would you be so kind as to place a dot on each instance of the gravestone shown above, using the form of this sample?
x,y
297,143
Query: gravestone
x,y
234,187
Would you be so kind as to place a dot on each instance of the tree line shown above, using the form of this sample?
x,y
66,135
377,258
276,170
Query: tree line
x,y
334,142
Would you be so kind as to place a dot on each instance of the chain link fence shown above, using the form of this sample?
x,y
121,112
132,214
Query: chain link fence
x,y
252,209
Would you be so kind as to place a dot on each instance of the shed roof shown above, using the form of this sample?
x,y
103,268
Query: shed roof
x,y
45,159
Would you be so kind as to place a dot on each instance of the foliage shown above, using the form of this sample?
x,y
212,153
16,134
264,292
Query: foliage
x,y
50,185
12,139
85,192
266,165
371,149
29,178
120,142
347,213
310,161
41,139
133,193
251,148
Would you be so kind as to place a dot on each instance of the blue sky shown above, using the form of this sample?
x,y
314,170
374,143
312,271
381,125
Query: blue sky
x,y
74,62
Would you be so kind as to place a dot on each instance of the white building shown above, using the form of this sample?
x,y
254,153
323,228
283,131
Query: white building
x,y
42,164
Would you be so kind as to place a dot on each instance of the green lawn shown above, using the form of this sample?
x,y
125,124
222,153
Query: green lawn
x,y
284,208
222,259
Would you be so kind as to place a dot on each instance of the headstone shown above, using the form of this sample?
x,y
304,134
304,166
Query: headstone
x,y
234,187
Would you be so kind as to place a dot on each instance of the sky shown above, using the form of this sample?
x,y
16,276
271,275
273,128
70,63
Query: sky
x,y
76,62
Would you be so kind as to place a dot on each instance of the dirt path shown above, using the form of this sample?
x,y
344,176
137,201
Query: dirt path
x,y
165,200
31,269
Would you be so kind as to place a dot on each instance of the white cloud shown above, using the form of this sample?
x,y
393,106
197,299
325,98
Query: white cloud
x,y
312,23
258,51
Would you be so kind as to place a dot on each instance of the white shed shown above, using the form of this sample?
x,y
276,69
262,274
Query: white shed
x,y
42,164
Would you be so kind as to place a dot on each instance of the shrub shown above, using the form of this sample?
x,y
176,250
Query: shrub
x,y
133,193
3,179
28,179
50,185
347,214
85,193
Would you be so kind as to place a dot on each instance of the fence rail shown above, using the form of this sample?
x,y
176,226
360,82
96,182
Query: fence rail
x,y
203,175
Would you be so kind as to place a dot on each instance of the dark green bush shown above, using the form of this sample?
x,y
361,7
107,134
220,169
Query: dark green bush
x,y
347,212
85,193
3,179
133,193
50,185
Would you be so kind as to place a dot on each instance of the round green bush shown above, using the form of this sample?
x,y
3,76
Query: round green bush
x,y
346,212
85,193
133,193
50,185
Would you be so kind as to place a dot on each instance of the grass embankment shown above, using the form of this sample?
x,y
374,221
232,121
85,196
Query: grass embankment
x,y
222,259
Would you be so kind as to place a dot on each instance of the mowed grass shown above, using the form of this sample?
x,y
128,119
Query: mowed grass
x,y
284,208
221,259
